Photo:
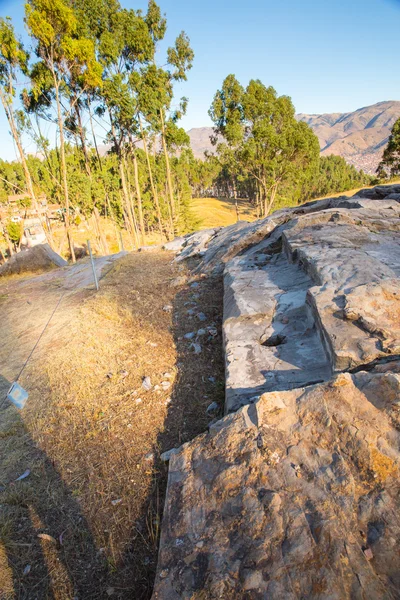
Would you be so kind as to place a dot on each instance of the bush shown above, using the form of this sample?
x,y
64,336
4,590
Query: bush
x,y
14,231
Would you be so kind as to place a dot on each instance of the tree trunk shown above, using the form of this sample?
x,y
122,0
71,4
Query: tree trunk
x,y
236,200
138,194
128,205
102,237
153,188
270,204
94,138
131,204
169,178
83,141
171,222
64,168
14,132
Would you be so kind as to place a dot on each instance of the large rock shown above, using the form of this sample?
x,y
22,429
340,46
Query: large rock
x,y
196,243
36,259
176,244
295,496
296,492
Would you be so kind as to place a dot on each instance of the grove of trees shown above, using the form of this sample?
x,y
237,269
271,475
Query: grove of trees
x,y
94,67
91,78
266,154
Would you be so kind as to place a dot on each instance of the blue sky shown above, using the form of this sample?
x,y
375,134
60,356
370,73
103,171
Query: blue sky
x,y
329,56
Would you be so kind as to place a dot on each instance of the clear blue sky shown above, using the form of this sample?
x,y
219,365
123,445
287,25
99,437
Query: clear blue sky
x,y
329,56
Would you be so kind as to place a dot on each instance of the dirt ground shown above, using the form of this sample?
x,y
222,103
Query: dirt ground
x,y
84,523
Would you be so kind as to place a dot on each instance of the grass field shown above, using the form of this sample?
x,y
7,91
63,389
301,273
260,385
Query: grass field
x,y
220,212
84,521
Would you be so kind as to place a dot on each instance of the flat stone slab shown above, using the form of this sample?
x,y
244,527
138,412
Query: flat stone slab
x,y
271,341
296,496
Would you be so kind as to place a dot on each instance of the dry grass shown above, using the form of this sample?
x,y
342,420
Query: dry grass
x,y
92,436
220,212
354,191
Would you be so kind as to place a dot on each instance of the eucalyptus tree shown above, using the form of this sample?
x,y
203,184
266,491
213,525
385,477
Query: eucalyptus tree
x,y
262,136
155,94
14,62
390,163
65,57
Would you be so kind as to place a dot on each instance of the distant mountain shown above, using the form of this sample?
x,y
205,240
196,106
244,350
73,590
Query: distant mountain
x,y
358,136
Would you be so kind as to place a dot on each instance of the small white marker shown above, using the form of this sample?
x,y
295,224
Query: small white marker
x,y
17,395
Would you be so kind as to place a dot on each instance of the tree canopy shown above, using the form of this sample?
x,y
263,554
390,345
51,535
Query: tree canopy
x,y
390,163
98,73
262,138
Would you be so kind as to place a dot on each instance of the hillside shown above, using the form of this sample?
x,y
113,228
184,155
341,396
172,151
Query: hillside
x,y
358,136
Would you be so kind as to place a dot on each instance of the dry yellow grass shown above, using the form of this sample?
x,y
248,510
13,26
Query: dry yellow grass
x,y
220,212
353,191
91,435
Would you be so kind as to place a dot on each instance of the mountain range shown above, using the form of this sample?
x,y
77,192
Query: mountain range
x,y
359,136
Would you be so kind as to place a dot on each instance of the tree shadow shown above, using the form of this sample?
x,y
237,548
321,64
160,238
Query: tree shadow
x,y
49,547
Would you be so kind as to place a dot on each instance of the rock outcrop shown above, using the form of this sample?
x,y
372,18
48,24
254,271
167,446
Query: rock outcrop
x,y
36,259
295,493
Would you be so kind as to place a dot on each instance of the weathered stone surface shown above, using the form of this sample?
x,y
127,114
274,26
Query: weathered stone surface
x,y
36,259
296,493
176,244
378,192
196,243
283,498
271,340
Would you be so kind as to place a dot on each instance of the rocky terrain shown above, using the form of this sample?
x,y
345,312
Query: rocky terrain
x,y
295,492
359,136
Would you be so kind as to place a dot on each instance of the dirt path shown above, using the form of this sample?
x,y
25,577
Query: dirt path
x,y
91,435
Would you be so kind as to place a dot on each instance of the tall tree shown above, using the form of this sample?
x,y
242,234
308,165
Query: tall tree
x,y
263,137
14,60
68,58
390,163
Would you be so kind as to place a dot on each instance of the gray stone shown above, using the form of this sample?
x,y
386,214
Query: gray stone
x,y
175,245
212,408
275,502
196,243
146,384
295,493
36,259
195,347
166,456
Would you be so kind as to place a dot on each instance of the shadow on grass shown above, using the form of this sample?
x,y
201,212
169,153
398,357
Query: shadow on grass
x,y
69,563
43,534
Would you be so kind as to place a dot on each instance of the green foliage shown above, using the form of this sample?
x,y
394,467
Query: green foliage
x,y
390,163
336,175
24,202
262,139
14,231
12,54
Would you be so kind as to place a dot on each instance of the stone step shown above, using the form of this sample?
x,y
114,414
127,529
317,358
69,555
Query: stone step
x,y
271,339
